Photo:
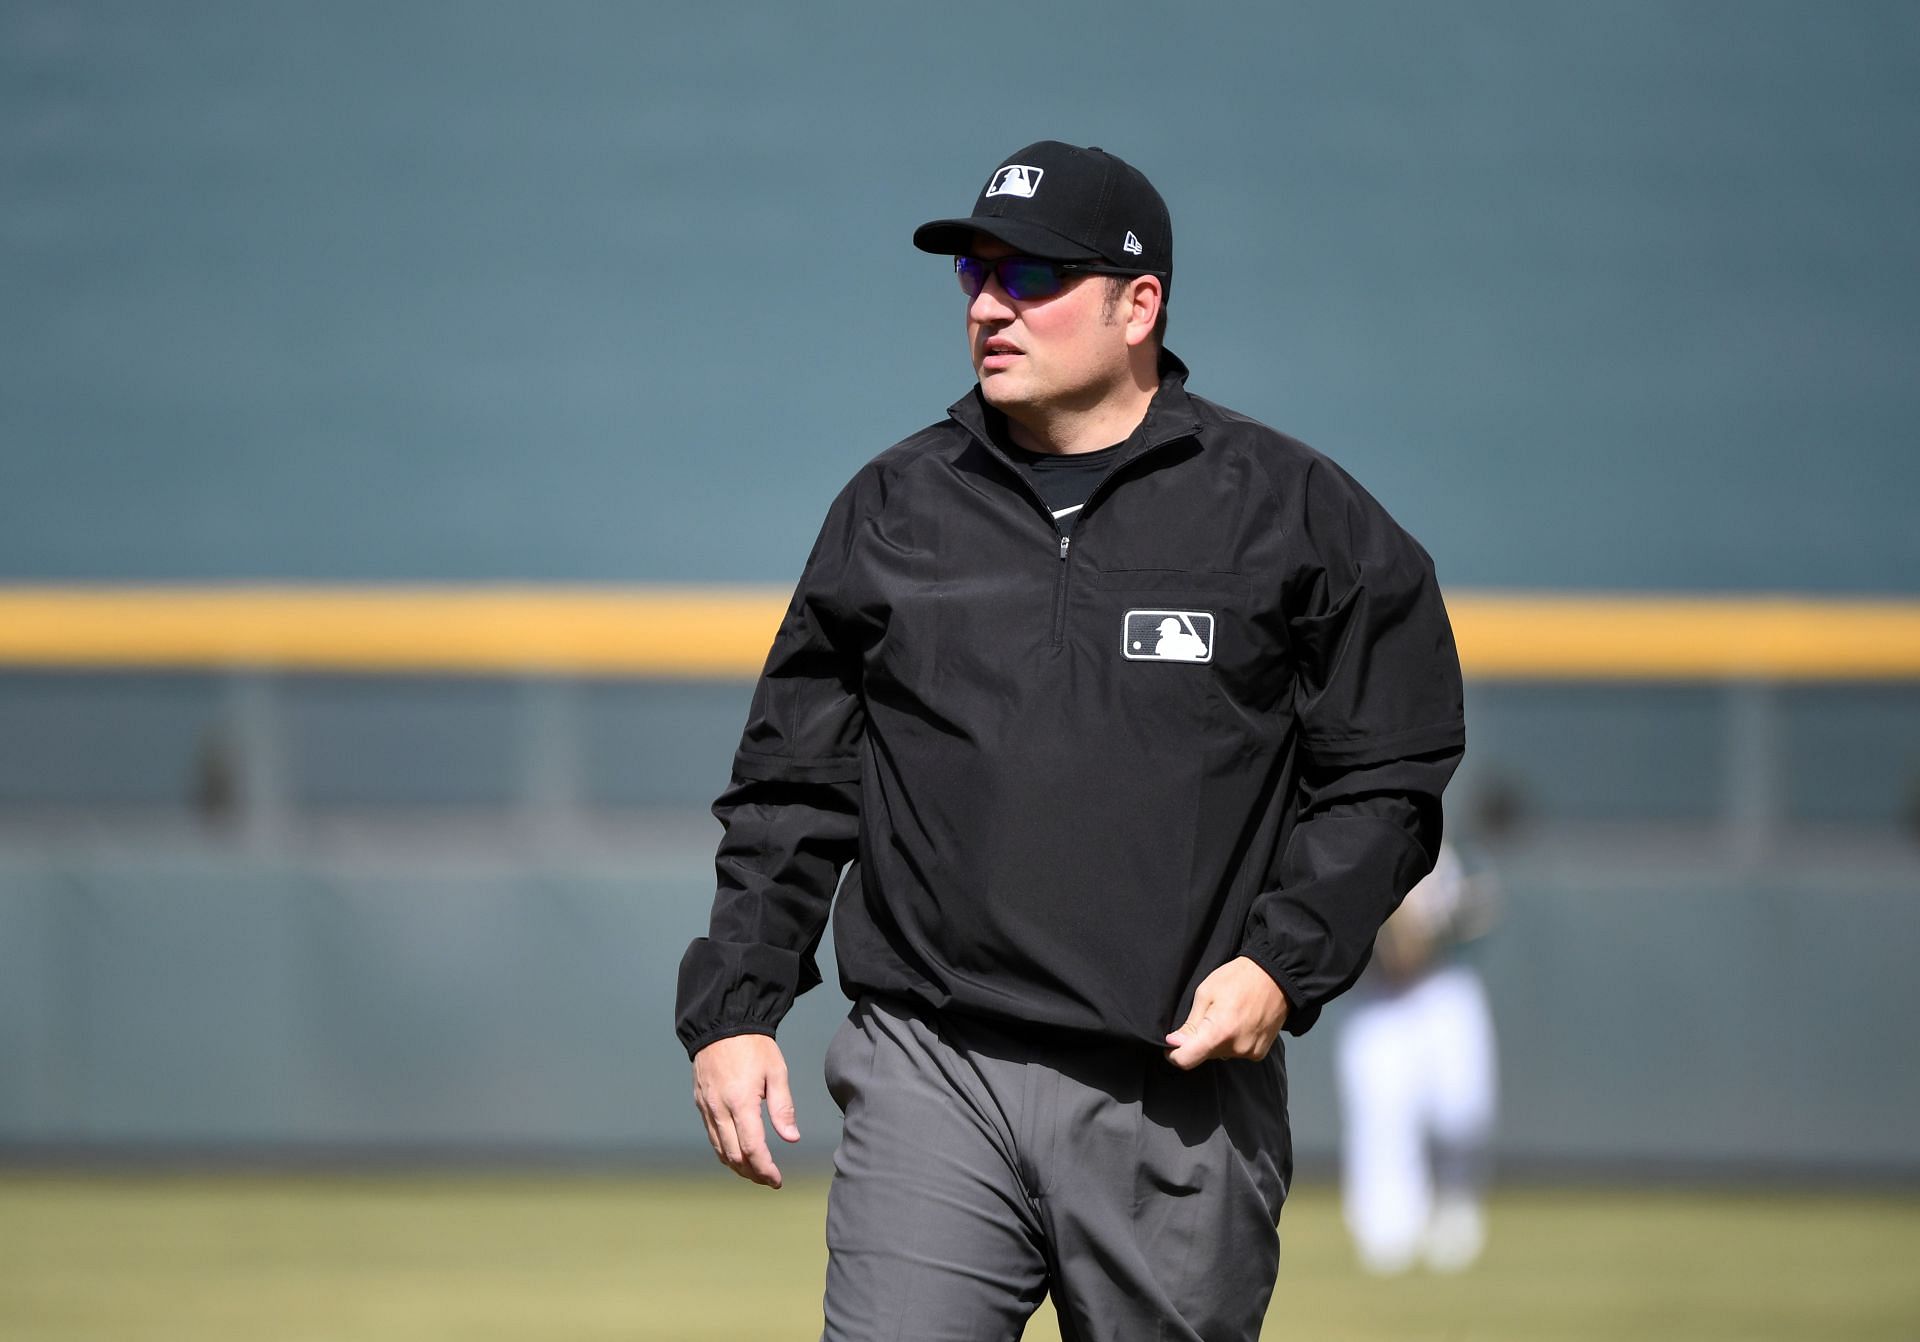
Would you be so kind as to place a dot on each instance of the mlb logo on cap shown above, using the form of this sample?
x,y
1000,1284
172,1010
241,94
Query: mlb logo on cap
x,y
1016,179
1167,636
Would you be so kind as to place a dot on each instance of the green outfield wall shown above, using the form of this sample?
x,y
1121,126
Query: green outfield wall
x,y
154,1005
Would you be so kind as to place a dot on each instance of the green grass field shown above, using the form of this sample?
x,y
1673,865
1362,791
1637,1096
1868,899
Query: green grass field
x,y
704,1257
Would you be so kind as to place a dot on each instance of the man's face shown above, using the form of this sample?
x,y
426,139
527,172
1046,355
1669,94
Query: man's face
x,y
1068,351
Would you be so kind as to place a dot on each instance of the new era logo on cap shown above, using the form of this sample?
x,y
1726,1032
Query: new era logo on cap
x,y
1132,244
1016,179
1167,636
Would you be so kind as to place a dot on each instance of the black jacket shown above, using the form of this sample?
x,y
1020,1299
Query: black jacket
x,y
1052,824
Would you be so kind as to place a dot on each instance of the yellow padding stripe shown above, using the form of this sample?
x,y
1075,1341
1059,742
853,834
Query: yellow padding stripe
x,y
1582,637
703,632
667,632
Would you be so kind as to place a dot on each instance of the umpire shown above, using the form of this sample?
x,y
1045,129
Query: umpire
x,y
1127,719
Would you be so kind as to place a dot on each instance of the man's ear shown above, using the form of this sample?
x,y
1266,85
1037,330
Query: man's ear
x,y
1144,297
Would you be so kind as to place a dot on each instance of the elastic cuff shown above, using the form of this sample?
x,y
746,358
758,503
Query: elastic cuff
x,y
719,1032
1295,1007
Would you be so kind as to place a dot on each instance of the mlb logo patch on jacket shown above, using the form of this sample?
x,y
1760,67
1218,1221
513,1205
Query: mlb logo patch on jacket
x,y
1167,636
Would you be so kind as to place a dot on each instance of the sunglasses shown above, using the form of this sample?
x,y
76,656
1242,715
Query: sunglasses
x,y
1027,277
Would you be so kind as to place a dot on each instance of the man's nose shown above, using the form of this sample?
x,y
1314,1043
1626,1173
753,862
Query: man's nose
x,y
991,303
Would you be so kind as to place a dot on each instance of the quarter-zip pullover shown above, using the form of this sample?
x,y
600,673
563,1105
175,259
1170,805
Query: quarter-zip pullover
x,y
1068,778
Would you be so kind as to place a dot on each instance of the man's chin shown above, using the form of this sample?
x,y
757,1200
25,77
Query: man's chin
x,y
1000,389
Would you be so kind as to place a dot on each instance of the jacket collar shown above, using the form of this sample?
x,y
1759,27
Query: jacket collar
x,y
1170,415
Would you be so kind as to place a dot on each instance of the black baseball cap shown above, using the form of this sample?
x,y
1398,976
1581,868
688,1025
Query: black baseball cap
x,y
1060,202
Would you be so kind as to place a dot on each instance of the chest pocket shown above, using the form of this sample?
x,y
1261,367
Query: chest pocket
x,y
1171,638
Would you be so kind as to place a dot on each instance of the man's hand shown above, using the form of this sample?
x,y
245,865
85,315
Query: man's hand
x,y
1237,1013
731,1078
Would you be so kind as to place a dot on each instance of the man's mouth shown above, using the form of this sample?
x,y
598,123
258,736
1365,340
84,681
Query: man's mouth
x,y
998,352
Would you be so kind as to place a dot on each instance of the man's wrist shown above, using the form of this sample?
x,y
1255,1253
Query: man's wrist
x,y
1288,993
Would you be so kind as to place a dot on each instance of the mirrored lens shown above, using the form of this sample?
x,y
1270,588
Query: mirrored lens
x,y
972,274
1022,277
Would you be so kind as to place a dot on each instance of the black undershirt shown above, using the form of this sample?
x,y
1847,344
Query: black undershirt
x,y
1064,480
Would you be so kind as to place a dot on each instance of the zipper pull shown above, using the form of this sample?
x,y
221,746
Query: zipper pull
x,y
1063,546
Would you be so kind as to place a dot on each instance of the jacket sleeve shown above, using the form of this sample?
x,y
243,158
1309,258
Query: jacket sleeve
x,y
1379,702
790,814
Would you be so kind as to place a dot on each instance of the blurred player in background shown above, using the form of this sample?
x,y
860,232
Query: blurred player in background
x,y
1417,1080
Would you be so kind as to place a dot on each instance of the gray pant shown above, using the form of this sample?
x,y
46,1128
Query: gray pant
x,y
978,1170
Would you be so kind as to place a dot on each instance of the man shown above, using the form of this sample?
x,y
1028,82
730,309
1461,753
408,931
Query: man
x,y
1086,885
